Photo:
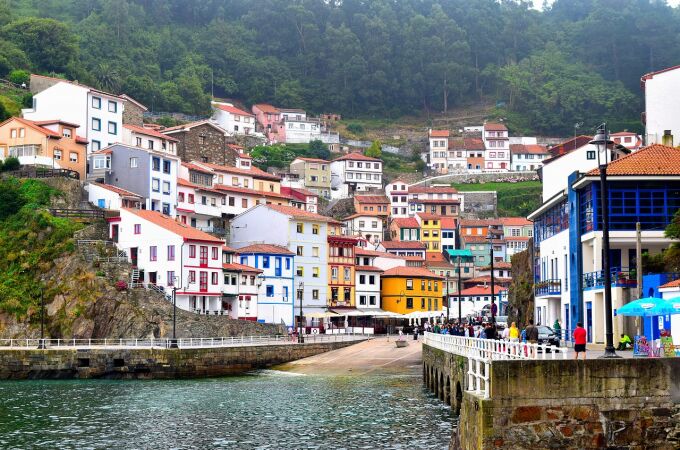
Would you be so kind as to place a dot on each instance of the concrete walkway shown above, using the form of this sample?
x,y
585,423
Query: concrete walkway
x,y
379,356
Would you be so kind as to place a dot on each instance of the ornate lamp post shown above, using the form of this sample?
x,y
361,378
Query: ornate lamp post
x,y
173,341
489,237
300,293
602,142
460,308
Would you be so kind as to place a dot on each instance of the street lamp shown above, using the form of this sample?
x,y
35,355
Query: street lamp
x,y
602,142
489,237
460,314
173,341
301,290
41,343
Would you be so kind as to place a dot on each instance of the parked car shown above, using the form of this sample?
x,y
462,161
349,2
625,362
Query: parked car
x,y
502,321
547,335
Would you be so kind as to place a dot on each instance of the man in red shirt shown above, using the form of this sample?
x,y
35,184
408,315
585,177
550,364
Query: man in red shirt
x,y
580,340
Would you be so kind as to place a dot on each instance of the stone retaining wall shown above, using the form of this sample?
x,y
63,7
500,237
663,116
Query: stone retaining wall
x,y
151,363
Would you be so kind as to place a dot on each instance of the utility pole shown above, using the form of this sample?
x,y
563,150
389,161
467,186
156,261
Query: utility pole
x,y
448,298
301,290
460,307
638,257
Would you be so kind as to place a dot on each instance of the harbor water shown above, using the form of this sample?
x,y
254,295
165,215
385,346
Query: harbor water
x,y
264,410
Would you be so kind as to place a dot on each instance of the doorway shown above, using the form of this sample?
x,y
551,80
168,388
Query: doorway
x,y
133,256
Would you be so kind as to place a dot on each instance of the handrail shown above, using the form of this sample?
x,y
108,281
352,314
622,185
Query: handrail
x,y
205,342
77,213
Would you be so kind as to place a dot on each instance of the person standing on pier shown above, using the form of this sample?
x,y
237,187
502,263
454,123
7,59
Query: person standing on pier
x,y
415,333
532,332
580,336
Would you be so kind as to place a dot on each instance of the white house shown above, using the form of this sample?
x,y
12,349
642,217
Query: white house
x,y
355,172
370,227
276,302
170,255
99,114
149,138
397,193
671,290
301,232
496,141
474,299
662,112
110,197
302,131
242,287
233,119
439,150
367,286
527,157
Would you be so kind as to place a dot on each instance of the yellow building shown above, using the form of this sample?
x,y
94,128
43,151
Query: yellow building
x,y
410,289
430,232
340,267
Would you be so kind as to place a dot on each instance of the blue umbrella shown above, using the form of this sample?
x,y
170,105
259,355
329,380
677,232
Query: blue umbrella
x,y
650,306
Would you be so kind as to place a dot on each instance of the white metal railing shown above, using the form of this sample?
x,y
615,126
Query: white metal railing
x,y
482,352
228,341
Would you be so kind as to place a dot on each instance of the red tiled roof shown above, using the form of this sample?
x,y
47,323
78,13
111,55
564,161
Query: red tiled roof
x,y
671,284
149,132
266,108
360,251
354,216
299,213
651,160
297,193
30,123
491,126
435,257
650,75
316,160
253,192
228,249
50,122
371,199
356,157
528,149
569,145
196,168
439,133
479,222
517,238
487,279
403,244
474,239
498,265
623,133
117,190
240,267
187,183
448,223
436,201
81,140
232,109
187,232
429,216
482,290
190,125
368,269
432,190
409,222
409,271
253,171
515,221
265,248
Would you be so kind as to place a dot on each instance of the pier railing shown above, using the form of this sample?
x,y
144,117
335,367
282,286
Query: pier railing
x,y
482,352
228,341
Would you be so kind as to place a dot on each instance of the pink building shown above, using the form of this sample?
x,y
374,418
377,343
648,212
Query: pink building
x,y
269,118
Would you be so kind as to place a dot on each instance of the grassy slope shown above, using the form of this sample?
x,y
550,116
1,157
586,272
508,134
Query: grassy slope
x,y
514,199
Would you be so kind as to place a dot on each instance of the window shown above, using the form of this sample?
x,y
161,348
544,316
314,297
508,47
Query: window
x,y
215,277
374,224
334,273
138,228
362,300
287,263
171,252
192,251
96,124
155,163
215,253
171,277
315,272
371,279
492,154
57,155
155,184
315,294
299,271
409,303
265,262
244,203
113,106
270,290
300,250
134,162
501,154
166,166
315,229
96,145
300,227
315,251
362,279
96,102
191,198
180,196
409,284
422,285
153,253
113,128
347,273
590,154
138,142
166,187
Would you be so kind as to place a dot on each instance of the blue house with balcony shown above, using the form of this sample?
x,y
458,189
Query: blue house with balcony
x,y
643,187
276,300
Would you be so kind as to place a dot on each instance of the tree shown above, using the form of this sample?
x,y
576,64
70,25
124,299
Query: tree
x,y
19,76
11,58
11,199
318,149
375,150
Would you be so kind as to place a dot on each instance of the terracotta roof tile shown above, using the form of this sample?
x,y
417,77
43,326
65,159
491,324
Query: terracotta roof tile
x,y
409,222
439,133
528,149
360,251
491,126
448,223
316,160
117,190
232,109
34,125
389,245
299,213
356,157
479,222
498,265
196,168
368,269
410,272
149,132
187,232
265,248
253,171
266,108
371,199
240,267
482,290
652,160
671,284
515,221
432,190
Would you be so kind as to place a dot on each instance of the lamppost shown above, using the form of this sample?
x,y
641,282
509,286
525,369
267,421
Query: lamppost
x,y
448,298
173,341
460,307
489,237
301,290
41,343
602,142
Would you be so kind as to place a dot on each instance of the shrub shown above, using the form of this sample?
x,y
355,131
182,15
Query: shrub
x,y
355,128
27,100
19,76
10,164
121,285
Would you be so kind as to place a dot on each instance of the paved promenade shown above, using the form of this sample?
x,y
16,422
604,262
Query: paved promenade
x,y
378,356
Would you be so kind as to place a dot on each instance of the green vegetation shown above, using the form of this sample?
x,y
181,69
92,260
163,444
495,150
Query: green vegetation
x,y
30,241
669,260
575,61
375,150
514,199
281,155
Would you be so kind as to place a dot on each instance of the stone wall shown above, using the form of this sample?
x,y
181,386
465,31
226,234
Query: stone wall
x,y
132,114
445,375
151,363
213,150
621,404
479,204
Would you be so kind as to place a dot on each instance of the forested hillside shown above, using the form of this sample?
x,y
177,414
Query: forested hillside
x,y
577,61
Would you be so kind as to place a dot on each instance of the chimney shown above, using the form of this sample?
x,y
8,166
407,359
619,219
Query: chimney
x,y
667,138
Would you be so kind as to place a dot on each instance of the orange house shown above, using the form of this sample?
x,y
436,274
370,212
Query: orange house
x,y
47,143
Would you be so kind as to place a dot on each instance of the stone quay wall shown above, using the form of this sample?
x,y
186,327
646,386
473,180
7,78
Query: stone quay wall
x,y
548,404
151,363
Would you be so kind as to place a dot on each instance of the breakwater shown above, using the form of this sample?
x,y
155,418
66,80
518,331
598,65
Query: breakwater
x,y
152,363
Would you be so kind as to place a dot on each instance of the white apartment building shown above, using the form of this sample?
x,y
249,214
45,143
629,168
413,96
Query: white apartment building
x,y
233,119
302,233
662,112
369,227
105,196
439,150
397,193
149,138
170,255
355,172
527,157
496,141
98,114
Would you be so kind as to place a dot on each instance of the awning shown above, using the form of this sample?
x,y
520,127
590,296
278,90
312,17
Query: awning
x,y
366,312
319,315
423,314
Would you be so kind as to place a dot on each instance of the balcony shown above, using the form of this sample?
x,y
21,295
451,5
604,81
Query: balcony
x,y
548,288
620,276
